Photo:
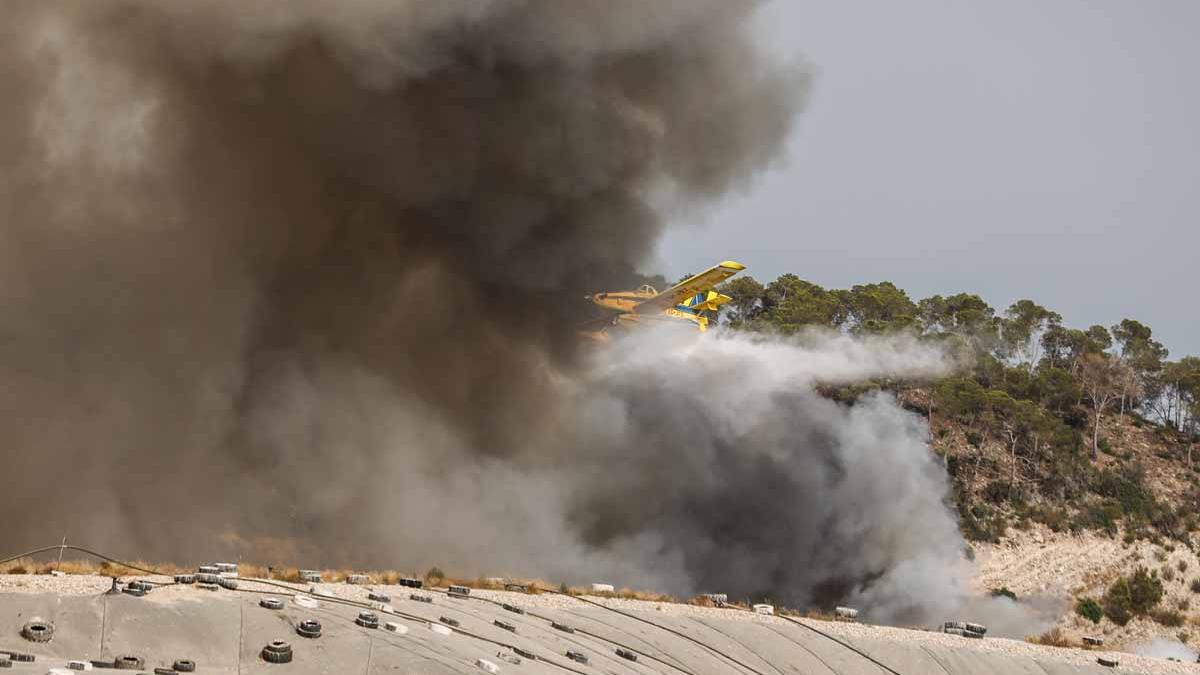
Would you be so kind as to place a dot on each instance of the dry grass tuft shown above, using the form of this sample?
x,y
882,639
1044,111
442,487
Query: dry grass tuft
x,y
816,613
1052,638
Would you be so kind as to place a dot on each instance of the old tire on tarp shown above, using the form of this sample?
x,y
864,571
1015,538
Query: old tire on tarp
x,y
38,630
129,662
277,651
309,628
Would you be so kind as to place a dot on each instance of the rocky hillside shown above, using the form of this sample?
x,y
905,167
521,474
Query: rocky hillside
x,y
1093,547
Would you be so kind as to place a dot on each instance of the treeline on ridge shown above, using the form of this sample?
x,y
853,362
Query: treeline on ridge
x,y
1022,430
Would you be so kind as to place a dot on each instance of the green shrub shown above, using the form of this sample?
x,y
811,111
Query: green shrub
x,y
1146,591
1135,595
1089,609
996,491
1105,516
1116,602
1003,591
1104,446
1056,519
982,523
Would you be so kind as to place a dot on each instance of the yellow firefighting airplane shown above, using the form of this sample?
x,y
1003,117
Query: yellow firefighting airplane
x,y
685,302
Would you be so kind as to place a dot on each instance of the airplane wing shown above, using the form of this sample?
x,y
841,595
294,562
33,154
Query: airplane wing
x,y
688,288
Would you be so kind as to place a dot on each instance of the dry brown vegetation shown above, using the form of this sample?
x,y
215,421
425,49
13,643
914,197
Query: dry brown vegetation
x,y
1054,637
90,567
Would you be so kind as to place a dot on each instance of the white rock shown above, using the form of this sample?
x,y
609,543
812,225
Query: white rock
x,y
440,629
602,588
487,665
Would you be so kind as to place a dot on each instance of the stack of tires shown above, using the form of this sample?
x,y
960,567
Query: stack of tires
x,y
965,629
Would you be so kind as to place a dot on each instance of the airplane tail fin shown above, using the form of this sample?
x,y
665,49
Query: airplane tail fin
x,y
706,301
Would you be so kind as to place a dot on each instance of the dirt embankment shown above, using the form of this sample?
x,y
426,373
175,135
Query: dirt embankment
x,y
1041,562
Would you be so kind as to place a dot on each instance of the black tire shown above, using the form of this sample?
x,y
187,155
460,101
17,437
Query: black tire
x,y
21,657
227,583
1108,662
277,651
309,628
185,578
626,654
129,662
513,608
165,671
185,665
449,622
208,578
38,630
367,619
379,597
955,624
577,657
505,625
954,631
5,662
207,586
561,626
521,652
271,603
977,628
420,598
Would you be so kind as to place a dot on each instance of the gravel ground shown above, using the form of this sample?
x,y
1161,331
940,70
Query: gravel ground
x,y
88,585
1041,562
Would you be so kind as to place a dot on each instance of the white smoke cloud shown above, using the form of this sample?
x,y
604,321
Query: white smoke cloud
x,y
1166,649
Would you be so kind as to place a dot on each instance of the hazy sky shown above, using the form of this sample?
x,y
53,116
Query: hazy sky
x,y
1014,148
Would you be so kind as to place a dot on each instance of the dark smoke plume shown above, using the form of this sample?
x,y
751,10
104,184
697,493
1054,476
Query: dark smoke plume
x,y
301,281
257,257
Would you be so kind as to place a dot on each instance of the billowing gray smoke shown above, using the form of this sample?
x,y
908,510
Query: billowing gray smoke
x,y
305,277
